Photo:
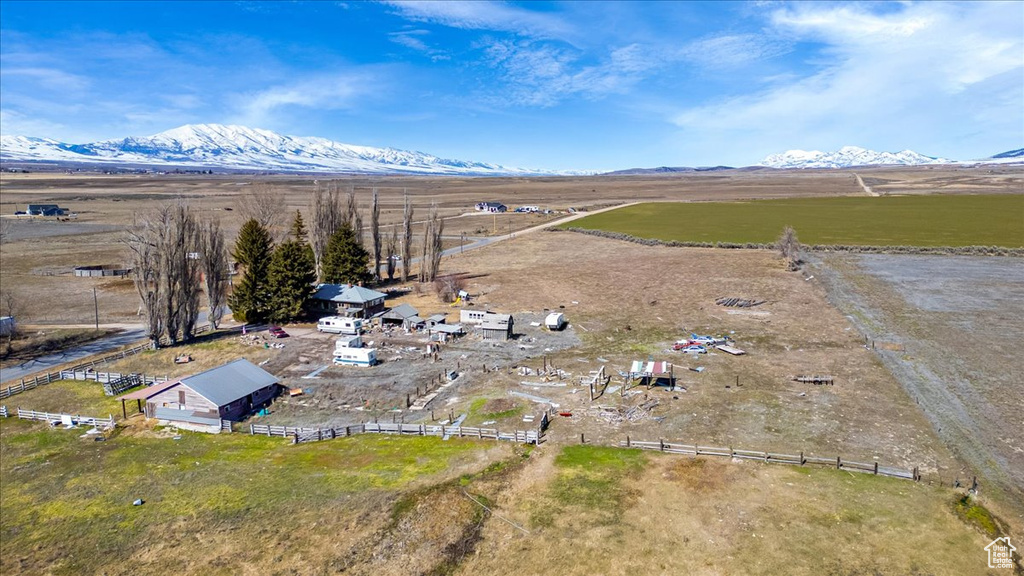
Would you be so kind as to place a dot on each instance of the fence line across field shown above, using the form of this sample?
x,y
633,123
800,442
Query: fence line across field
x,y
772,457
62,418
301,434
85,368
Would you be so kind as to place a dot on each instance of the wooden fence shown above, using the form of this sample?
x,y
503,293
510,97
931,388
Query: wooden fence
x,y
3,411
86,368
792,459
60,417
300,435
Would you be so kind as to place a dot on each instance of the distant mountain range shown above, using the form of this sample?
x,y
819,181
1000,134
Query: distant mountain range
x,y
241,148
846,157
206,146
665,170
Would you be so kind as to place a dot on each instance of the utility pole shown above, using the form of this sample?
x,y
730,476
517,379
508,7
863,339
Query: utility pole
x,y
96,306
462,244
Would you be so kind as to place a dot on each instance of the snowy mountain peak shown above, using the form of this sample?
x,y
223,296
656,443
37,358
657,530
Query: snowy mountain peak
x,y
845,157
244,148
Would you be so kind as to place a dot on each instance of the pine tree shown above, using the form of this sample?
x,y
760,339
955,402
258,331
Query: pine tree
x,y
290,275
250,300
345,260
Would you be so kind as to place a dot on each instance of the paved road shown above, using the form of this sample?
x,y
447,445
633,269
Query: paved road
x,y
47,363
136,333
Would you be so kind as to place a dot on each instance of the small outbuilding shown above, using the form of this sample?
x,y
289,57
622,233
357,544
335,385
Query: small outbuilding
x,y
403,314
555,321
497,327
204,402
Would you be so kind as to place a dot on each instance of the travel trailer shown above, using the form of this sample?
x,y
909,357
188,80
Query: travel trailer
x,y
555,321
340,325
355,356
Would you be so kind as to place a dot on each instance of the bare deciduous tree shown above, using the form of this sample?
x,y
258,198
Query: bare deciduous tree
x,y
375,236
215,269
407,213
9,306
352,216
789,247
264,203
164,249
430,263
448,286
391,252
328,215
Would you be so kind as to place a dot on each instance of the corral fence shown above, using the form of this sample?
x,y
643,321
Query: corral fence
x,y
113,382
300,435
792,459
86,368
62,418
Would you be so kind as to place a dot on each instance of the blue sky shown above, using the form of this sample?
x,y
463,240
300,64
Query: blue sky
x,y
547,85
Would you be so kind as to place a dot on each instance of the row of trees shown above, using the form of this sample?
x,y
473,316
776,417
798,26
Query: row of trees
x,y
170,251
173,254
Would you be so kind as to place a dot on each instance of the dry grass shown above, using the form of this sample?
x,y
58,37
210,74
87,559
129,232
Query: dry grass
x,y
205,355
35,341
677,515
634,301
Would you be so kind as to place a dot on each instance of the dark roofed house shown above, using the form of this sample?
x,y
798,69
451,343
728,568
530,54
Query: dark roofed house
x,y
493,207
203,402
44,210
347,300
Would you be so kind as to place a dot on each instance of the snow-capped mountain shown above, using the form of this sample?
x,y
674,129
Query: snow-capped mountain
x,y
1018,153
238,147
846,157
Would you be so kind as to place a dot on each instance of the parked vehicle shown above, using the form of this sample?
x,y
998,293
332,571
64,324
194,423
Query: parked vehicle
x,y
277,332
692,348
340,325
706,340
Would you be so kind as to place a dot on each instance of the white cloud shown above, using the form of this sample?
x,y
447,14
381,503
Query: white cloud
x,y
411,39
479,15
732,50
925,77
540,74
325,92
49,78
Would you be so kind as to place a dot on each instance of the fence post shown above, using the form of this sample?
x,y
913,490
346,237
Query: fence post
x,y
583,440
839,463
627,440
661,443
917,477
802,459
252,429
876,467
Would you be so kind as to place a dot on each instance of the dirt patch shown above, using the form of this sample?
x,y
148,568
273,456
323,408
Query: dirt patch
x,y
956,322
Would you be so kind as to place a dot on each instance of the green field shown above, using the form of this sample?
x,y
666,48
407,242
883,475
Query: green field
x,y
995,220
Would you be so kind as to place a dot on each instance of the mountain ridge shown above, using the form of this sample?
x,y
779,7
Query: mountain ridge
x,y
847,157
239,147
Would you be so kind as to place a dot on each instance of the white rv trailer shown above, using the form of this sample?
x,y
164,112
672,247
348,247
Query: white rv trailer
x,y
340,325
355,356
555,321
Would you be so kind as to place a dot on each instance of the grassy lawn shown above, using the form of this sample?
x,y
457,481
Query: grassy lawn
x,y
243,500
993,220
83,397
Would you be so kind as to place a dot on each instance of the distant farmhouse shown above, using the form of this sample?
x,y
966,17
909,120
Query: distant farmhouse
x,y
347,300
204,402
45,210
492,207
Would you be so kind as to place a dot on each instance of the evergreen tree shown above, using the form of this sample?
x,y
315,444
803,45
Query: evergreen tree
x,y
345,260
291,274
251,297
